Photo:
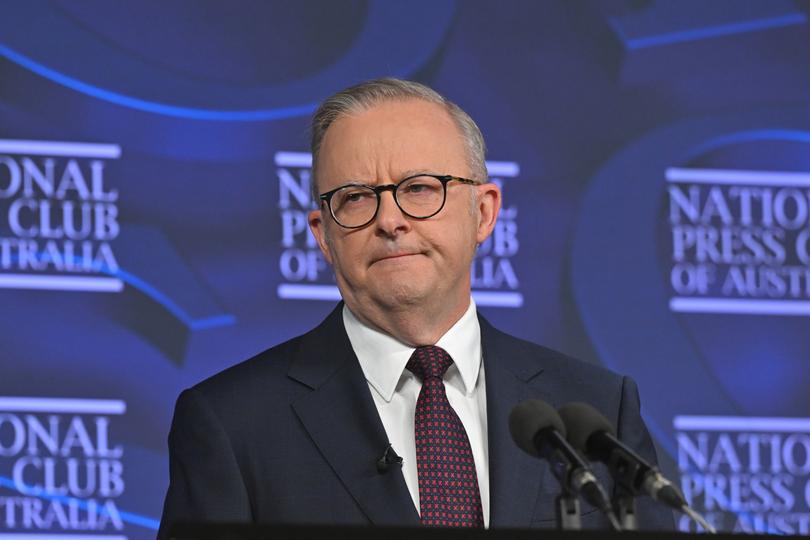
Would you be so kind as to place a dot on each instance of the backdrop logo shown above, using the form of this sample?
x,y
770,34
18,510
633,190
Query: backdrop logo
x,y
60,469
307,276
740,241
746,474
59,218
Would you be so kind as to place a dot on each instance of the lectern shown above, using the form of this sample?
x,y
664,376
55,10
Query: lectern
x,y
225,531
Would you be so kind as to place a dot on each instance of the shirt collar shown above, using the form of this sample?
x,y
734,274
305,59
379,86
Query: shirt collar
x,y
383,358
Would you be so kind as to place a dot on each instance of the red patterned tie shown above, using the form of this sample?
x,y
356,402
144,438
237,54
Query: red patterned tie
x,y
448,485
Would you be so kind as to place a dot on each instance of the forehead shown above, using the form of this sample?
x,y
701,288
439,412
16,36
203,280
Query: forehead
x,y
390,140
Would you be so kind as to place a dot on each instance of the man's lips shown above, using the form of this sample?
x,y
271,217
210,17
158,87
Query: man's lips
x,y
393,256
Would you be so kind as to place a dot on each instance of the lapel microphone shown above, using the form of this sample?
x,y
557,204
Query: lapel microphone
x,y
388,460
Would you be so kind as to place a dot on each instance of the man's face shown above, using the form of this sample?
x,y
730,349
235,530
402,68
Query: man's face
x,y
396,262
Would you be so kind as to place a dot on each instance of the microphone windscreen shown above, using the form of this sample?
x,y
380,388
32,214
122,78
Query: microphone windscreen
x,y
528,418
581,421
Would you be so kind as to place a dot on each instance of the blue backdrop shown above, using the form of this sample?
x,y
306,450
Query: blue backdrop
x,y
154,181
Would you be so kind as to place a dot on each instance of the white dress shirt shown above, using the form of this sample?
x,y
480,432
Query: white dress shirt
x,y
395,390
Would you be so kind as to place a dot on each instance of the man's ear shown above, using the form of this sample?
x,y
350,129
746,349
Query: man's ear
x,y
488,205
318,228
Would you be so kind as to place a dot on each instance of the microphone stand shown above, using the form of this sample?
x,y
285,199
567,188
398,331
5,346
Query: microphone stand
x,y
624,504
568,513
624,471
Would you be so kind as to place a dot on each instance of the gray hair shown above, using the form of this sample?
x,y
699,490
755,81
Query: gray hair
x,y
365,95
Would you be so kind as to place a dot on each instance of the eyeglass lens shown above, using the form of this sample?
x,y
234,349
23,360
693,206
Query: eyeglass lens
x,y
419,197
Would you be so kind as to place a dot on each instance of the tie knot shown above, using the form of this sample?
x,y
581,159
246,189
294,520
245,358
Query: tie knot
x,y
429,362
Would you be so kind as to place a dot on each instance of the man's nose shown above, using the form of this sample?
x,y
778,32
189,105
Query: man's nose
x,y
390,218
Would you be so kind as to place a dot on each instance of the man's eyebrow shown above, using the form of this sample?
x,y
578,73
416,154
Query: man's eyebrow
x,y
415,172
381,181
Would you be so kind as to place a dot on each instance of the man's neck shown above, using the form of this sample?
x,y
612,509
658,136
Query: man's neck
x,y
412,326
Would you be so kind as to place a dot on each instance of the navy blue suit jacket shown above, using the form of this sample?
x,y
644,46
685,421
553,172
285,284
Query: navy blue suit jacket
x,y
293,435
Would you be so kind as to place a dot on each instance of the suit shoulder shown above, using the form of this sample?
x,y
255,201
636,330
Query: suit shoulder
x,y
531,358
269,377
557,361
263,372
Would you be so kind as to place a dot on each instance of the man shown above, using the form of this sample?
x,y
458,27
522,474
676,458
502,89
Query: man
x,y
312,431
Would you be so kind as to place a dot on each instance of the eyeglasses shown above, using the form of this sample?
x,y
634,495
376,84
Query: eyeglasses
x,y
420,196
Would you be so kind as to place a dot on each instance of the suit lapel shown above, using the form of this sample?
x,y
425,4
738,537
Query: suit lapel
x,y
340,416
515,477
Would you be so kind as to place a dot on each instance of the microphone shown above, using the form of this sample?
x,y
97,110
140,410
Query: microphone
x,y
388,460
538,430
591,433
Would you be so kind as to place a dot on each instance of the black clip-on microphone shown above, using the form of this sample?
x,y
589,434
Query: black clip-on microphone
x,y
388,460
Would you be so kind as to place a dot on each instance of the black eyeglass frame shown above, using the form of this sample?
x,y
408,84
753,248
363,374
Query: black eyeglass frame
x,y
378,190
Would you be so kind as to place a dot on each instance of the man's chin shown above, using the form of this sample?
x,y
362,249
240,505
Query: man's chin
x,y
399,295
388,294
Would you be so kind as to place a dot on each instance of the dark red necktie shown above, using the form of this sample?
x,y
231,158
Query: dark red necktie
x,y
448,485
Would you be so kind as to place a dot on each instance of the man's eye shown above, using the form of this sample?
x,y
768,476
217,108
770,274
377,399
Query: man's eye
x,y
418,189
355,196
